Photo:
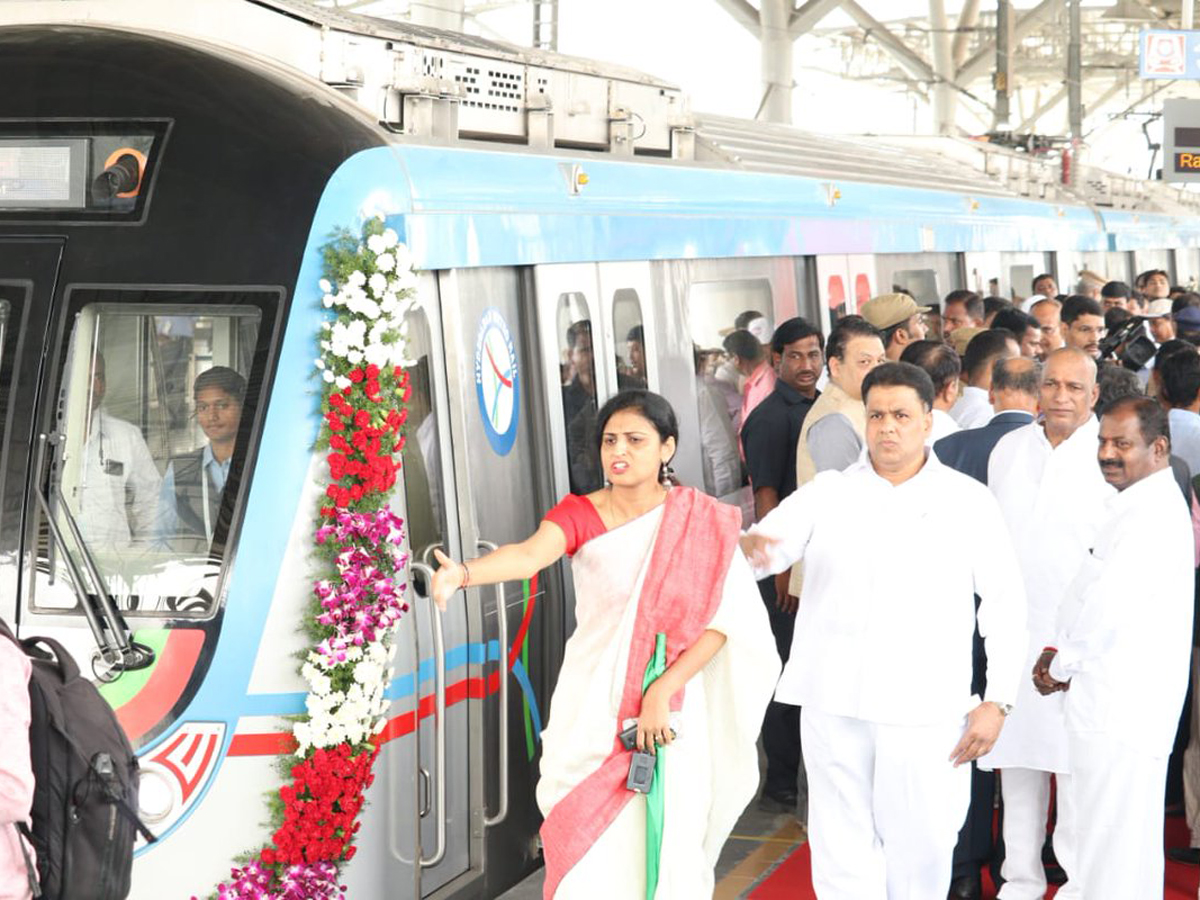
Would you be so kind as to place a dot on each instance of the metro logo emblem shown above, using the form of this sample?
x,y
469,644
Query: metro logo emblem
x,y
188,757
1164,54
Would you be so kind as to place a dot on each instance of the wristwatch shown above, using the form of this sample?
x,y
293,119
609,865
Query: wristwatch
x,y
1005,708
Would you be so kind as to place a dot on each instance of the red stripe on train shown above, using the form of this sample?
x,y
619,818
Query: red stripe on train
x,y
176,662
278,743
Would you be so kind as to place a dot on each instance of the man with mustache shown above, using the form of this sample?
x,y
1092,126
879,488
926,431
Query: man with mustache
x,y
1052,496
1083,324
1120,654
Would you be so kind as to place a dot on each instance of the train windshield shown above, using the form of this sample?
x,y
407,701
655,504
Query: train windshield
x,y
146,466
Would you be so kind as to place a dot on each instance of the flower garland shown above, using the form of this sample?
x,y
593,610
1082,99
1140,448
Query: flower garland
x,y
358,599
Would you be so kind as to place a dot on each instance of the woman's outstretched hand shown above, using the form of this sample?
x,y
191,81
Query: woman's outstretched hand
x,y
446,580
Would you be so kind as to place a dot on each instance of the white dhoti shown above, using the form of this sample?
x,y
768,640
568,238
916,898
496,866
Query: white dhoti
x,y
885,806
1053,500
1026,794
1119,818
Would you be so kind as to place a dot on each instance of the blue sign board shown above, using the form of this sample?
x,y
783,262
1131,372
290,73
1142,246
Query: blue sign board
x,y
1169,54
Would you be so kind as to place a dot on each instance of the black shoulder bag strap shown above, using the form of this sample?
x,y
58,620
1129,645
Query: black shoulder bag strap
x,y
23,835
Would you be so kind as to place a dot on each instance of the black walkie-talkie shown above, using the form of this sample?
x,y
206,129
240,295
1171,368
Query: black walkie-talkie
x,y
641,772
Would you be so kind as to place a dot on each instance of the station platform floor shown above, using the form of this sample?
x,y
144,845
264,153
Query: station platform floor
x,y
766,858
760,842
758,845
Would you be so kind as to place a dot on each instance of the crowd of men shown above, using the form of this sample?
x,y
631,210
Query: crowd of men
x,y
978,539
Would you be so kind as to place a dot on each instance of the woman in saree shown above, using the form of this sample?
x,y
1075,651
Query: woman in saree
x,y
671,634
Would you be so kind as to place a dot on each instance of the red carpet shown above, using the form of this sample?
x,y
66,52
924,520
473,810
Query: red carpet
x,y
792,880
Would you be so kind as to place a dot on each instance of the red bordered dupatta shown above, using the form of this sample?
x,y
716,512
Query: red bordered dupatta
x,y
680,595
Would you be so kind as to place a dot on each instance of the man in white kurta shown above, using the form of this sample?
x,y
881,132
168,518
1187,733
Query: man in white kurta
x,y
1052,495
1120,658
881,655
115,499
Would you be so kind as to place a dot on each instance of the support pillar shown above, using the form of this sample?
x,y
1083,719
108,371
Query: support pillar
x,y
444,14
545,24
774,20
967,19
1188,14
1075,72
945,98
1002,80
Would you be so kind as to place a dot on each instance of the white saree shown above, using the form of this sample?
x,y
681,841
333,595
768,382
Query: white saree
x,y
711,769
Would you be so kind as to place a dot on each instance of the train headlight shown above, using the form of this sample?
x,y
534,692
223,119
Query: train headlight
x,y
122,175
155,799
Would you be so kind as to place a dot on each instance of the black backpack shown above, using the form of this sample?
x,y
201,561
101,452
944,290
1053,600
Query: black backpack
x,y
85,782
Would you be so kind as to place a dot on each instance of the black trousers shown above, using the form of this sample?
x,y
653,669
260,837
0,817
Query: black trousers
x,y
974,847
781,724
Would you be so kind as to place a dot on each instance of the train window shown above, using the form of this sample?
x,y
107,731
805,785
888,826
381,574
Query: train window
x,y
630,350
422,469
716,308
920,283
154,422
578,370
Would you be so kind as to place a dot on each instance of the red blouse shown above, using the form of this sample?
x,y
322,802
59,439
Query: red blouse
x,y
578,519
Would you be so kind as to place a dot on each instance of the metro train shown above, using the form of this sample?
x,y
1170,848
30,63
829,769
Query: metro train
x,y
209,254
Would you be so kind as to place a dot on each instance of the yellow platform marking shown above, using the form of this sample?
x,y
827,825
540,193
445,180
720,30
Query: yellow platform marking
x,y
742,877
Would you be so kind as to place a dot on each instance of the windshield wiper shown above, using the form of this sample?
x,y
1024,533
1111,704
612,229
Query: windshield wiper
x,y
118,651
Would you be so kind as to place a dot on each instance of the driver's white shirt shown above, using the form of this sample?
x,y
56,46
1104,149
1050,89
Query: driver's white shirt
x,y
117,497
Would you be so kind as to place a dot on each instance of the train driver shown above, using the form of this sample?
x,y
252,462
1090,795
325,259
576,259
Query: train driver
x,y
119,481
194,482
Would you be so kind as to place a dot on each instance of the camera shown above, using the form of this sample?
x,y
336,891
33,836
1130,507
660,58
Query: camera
x,y
1128,344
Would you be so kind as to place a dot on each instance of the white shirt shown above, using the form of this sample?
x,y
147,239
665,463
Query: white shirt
x,y
943,425
880,635
1053,499
116,464
1125,629
973,409
1185,437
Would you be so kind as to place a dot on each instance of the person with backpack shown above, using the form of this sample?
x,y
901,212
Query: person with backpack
x,y
16,772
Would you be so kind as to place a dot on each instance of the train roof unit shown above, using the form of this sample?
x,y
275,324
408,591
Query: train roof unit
x,y
446,87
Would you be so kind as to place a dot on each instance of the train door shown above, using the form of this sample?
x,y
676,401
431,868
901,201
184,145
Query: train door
x,y
1017,271
863,285
983,272
417,831
1187,267
502,459
835,289
928,277
1119,266
28,271
1145,260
